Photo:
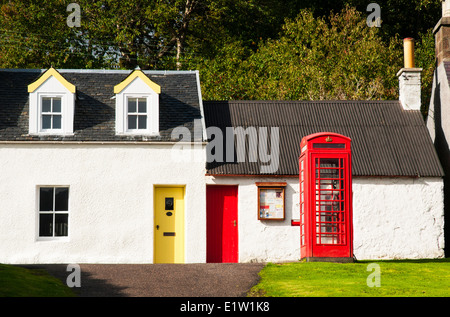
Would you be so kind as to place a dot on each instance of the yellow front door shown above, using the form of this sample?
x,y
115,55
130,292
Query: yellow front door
x,y
169,225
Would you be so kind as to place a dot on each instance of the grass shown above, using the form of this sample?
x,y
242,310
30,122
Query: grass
x,y
21,282
403,278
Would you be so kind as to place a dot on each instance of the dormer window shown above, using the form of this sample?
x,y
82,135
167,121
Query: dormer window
x,y
52,102
137,105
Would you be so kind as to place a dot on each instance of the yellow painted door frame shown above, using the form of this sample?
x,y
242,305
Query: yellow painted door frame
x,y
168,229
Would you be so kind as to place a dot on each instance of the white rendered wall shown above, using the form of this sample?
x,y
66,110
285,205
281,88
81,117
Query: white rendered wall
x,y
111,207
397,218
441,88
392,217
265,240
111,201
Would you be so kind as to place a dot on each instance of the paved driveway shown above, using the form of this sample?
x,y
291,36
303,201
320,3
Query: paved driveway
x,y
162,280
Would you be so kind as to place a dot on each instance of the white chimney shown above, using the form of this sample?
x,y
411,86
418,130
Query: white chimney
x,y
446,8
409,79
442,35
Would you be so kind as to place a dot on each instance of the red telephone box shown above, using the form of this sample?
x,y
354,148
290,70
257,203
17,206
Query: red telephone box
x,y
326,229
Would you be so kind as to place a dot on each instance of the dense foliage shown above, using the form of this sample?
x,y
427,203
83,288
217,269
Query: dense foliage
x,y
244,49
337,57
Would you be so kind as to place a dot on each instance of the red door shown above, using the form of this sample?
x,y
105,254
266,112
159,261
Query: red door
x,y
221,224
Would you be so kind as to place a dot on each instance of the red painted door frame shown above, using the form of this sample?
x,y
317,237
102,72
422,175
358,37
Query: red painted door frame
x,y
221,224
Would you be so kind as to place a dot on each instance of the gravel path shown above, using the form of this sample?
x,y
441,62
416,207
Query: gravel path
x,y
162,280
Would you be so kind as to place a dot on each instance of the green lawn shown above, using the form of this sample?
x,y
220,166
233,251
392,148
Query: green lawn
x,y
20,282
415,278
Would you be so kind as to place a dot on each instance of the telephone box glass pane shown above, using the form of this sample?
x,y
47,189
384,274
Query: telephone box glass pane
x,y
329,187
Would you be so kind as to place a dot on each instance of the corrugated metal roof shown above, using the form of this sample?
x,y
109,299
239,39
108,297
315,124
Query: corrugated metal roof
x,y
386,139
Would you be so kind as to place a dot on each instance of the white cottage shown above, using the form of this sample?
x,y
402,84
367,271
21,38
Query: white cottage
x,y
397,178
86,169
109,166
400,190
398,201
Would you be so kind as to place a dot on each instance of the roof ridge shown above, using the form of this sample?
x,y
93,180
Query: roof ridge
x,y
98,71
298,101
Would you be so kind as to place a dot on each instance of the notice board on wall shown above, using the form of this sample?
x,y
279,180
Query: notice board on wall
x,y
271,201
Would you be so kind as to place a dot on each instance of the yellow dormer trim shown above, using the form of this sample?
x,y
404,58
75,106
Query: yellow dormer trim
x,y
48,73
137,73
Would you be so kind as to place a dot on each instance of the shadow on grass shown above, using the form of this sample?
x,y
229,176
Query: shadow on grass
x,y
90,287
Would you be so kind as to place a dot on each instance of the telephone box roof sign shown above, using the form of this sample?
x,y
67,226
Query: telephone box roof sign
x,y
327,141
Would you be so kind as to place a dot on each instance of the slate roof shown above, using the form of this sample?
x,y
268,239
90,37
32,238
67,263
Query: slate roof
x,y
94,118
386,140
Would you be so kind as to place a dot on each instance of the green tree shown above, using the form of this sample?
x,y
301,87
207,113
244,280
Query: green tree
x,y
243,48
405,18
337,57
151,34
154,34
35,34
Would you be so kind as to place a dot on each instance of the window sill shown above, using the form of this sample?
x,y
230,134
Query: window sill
x,y
139,133
52,239
51,133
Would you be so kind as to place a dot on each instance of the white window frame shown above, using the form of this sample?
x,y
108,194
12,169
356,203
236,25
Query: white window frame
x,y
41,114
148,114
53,213
152,123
